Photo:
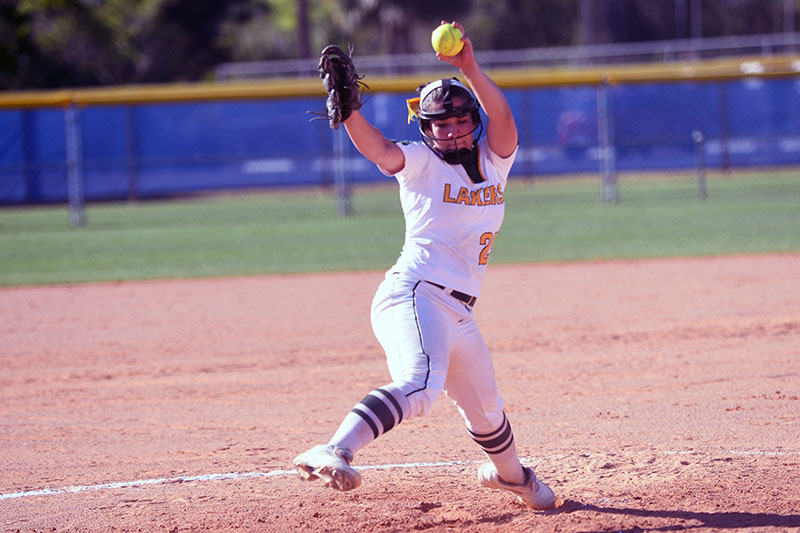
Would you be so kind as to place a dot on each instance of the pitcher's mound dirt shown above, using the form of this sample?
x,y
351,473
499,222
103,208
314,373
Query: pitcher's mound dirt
x,y
659,395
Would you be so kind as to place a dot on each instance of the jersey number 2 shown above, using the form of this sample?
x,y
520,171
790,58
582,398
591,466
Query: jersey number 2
x,y
487,240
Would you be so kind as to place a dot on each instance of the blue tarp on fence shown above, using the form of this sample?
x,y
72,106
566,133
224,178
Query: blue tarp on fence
x,y
156,150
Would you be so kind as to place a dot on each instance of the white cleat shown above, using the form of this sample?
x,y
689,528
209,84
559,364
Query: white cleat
x,y
330,464
533,493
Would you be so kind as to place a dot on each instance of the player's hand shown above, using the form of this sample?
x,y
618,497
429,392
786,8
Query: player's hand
x,y
465,58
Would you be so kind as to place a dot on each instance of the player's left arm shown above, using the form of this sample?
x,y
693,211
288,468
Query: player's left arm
x,y
501,130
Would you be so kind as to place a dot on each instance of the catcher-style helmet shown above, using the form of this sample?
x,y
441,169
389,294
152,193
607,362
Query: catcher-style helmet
x,y
445,91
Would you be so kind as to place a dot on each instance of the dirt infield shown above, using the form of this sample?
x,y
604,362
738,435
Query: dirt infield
x,y
659,395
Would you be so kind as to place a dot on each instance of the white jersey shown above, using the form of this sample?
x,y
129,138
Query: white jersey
x,y
451,222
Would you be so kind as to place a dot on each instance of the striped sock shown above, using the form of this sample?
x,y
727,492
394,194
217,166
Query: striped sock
x,y
379,411
500,449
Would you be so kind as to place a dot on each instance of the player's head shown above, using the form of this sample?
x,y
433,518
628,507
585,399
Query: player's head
x,y
449,117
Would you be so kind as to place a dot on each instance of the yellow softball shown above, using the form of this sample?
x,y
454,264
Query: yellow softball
x,y
446,39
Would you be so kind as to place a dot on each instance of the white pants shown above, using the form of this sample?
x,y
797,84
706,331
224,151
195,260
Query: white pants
x,y
433,344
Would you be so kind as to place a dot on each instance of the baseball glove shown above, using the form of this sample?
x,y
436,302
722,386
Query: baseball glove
x,y
341,82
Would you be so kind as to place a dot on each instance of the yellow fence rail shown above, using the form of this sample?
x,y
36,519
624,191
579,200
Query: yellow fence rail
x,y
721,69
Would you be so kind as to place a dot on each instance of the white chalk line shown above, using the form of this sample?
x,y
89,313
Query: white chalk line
x,y
276,473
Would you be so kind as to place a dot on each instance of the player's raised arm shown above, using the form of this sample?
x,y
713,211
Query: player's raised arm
x,y
344,87
373,145
501,130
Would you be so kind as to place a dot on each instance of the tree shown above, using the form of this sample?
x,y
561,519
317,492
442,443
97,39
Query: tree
x,y
257,30
62,43
609,21
522,24
395,26
182,42
16,47
57,40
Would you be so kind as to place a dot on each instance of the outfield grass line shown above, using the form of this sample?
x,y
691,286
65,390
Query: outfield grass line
x,y
277,473
224,236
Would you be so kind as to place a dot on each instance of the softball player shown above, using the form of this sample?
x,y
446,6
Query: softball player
x,y
452,193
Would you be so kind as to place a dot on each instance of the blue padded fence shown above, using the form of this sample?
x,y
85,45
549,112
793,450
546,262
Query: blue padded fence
x,y
156,150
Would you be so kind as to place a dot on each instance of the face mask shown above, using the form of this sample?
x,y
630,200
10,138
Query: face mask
x,y
455,157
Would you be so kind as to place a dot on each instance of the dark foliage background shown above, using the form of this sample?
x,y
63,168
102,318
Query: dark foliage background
x,y
66,43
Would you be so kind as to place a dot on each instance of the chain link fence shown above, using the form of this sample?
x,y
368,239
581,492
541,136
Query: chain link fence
x,y
81,155
695,49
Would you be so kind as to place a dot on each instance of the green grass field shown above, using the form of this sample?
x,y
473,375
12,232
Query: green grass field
x,y
281,232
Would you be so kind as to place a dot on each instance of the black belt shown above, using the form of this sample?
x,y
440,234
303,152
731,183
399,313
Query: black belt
x,y
458,295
